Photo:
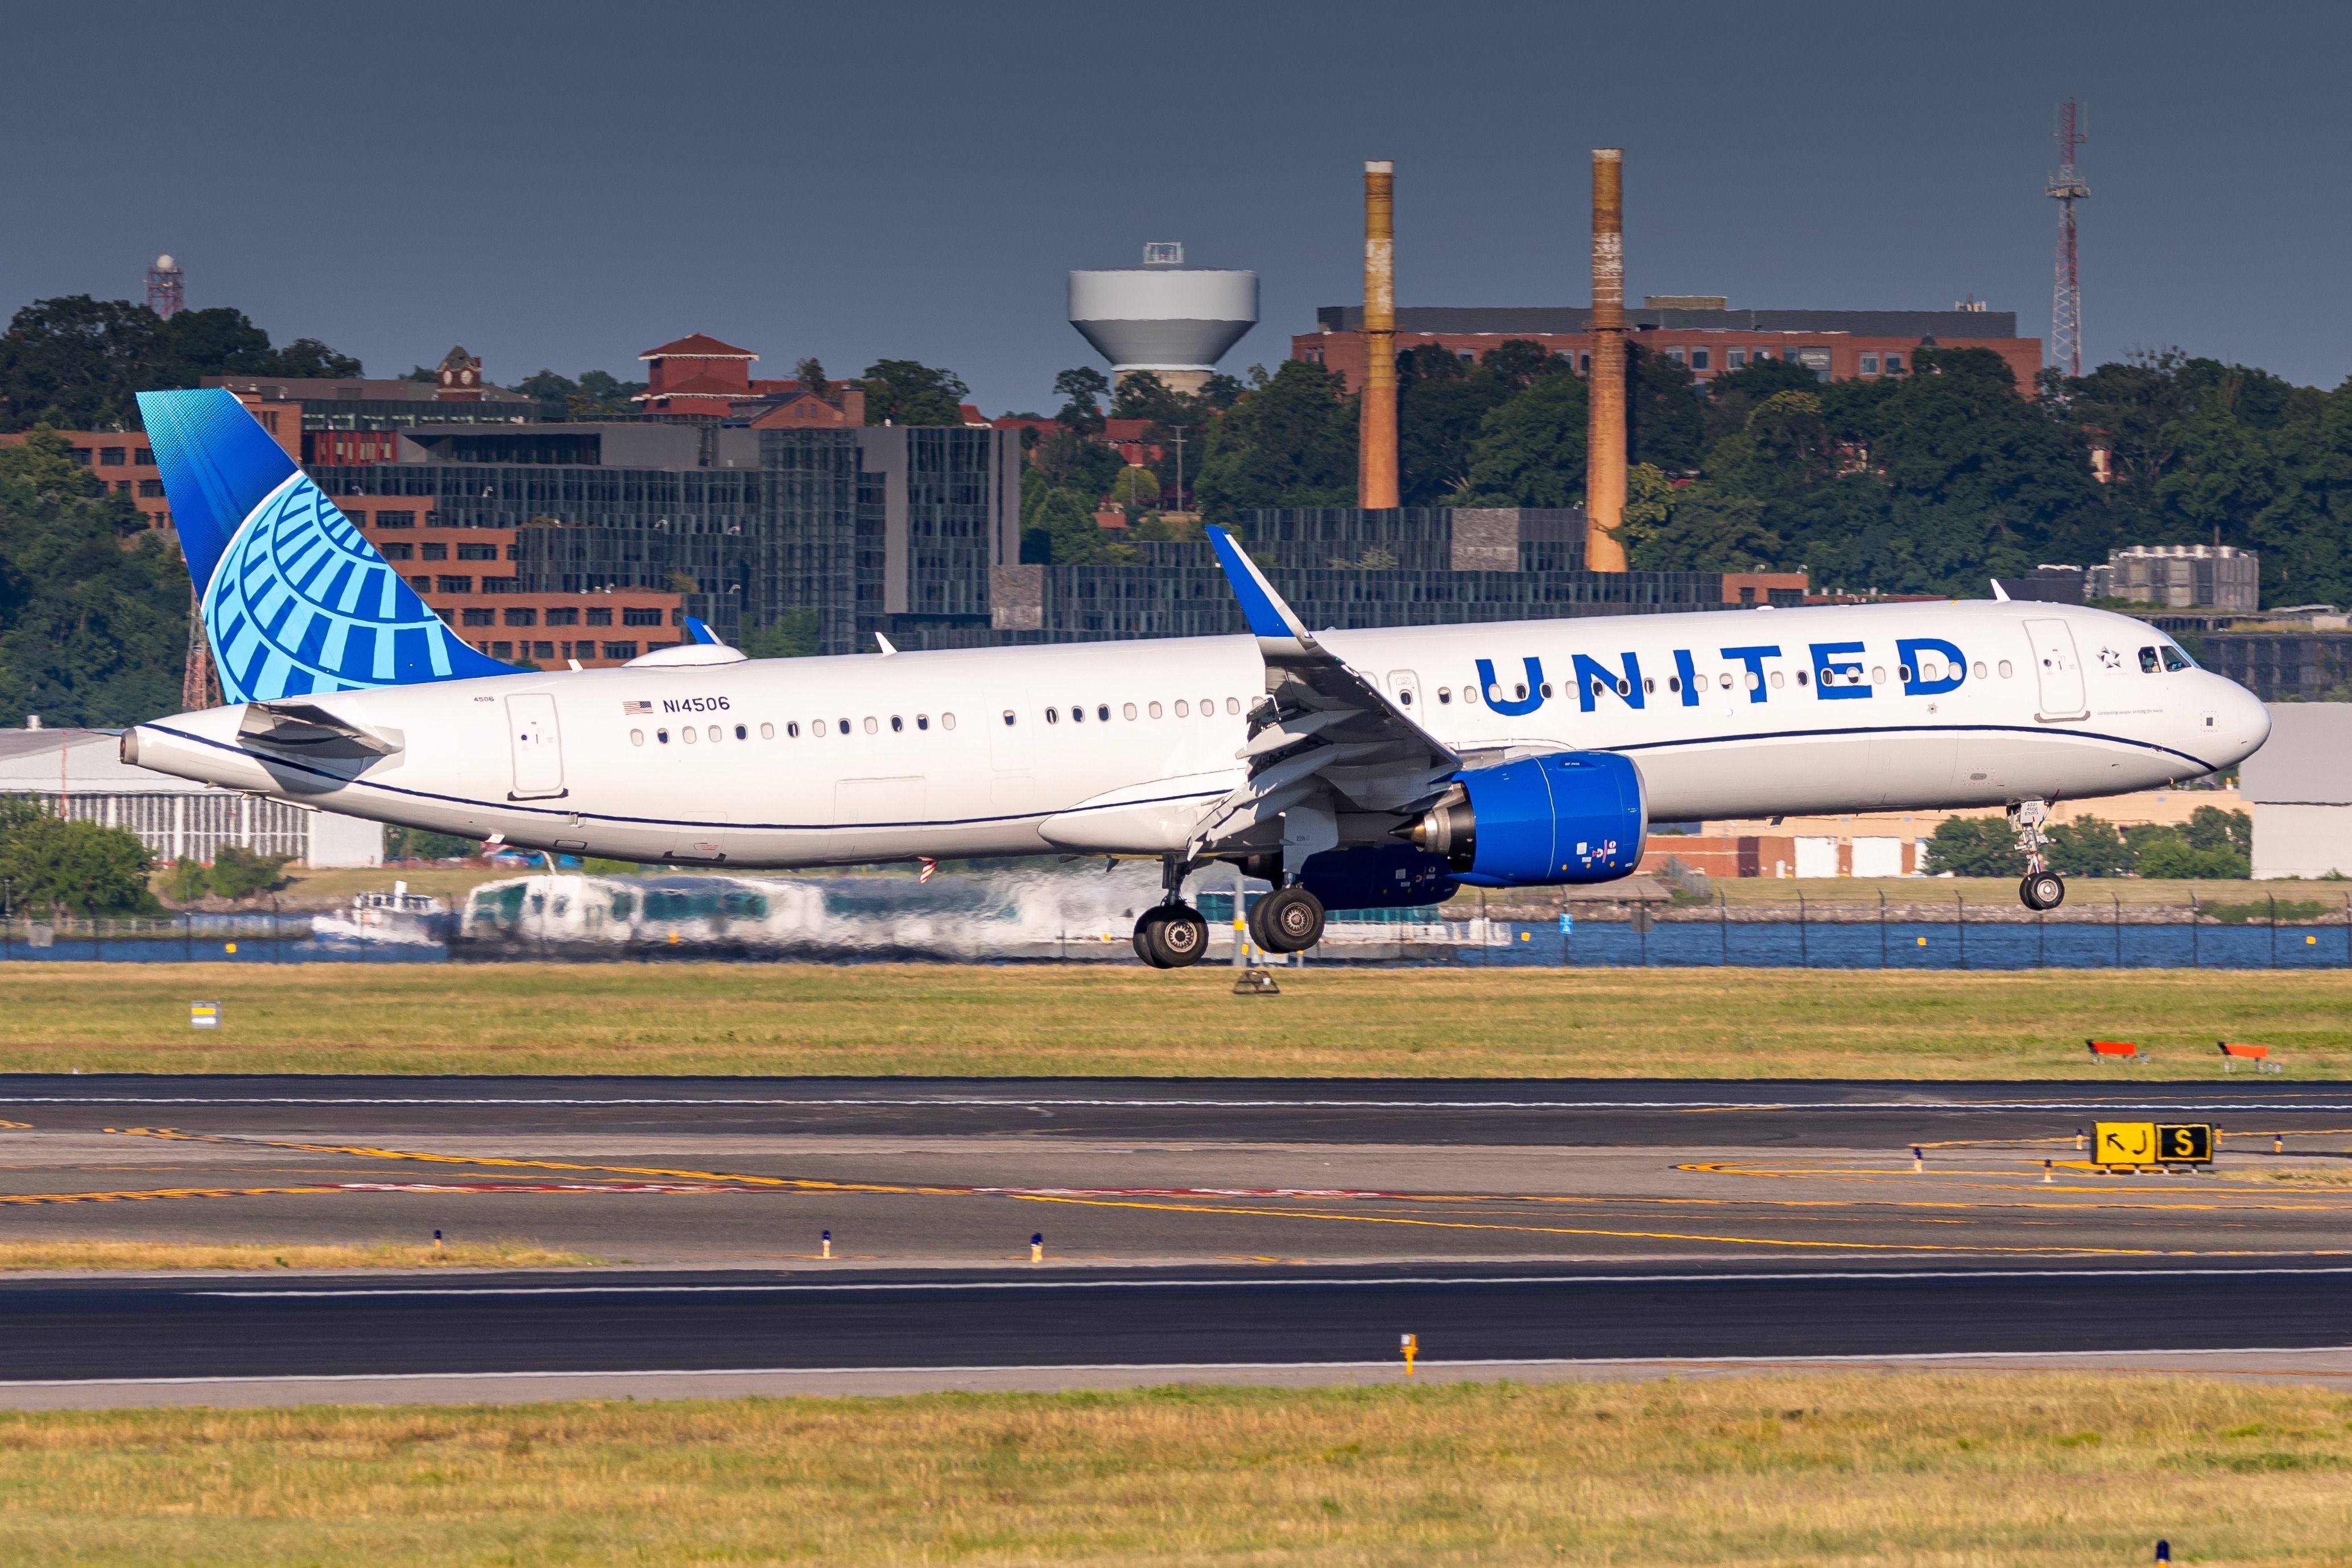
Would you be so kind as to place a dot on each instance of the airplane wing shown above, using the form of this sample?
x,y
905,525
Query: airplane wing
x,y
1326,740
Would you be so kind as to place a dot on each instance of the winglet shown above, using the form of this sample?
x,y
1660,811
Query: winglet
x,y
698,629
1999,591
1262,607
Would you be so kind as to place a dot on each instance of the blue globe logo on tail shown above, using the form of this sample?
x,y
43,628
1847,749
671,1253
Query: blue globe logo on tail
x,y
294,600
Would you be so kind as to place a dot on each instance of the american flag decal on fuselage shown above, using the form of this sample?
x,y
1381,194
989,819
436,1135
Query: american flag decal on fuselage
x,y
636,707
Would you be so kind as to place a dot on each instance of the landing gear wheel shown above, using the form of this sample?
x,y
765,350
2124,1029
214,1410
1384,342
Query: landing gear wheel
x,y
1180,938
1171,936
2043,890
1144,925
1288,920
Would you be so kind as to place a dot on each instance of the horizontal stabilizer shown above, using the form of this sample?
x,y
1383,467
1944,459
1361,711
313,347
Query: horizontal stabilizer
x,y
306,729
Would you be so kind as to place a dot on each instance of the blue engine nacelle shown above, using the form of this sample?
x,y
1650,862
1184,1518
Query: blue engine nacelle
x,y
1575,816
1377,876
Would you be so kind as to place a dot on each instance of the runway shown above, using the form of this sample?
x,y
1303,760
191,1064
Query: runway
x,y
1233,1223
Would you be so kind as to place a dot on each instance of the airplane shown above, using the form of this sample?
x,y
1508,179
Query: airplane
x,y
1350,769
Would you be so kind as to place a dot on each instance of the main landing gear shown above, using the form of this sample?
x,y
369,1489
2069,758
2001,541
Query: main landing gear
x,y
2041,887
1288,920
1172,934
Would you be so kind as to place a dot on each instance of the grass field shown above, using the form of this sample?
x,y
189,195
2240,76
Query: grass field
x,y
1050,1019
149,1257
2023,1471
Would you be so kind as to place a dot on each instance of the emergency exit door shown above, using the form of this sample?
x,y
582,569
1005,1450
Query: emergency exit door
x,y
537,745
2060,671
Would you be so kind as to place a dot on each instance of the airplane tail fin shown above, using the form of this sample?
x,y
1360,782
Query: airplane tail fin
x,y
294,600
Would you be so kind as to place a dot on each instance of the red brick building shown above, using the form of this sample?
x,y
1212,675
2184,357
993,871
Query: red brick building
x,y
1707,341
464,576
125,464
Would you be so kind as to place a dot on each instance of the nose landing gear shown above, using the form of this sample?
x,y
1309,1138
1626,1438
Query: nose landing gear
x,y
2042,888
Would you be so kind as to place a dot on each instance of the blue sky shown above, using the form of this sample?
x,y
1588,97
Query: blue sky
x,y
565,186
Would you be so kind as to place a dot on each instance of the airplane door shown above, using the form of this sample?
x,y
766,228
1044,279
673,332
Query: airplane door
x,y
1404,686
2063,695
537,745
1011,751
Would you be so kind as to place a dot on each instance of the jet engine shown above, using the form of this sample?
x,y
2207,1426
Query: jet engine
x,y
1564,817
1377,876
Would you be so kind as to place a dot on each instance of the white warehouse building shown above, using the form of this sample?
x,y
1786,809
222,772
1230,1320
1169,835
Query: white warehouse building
x,y
78,774
2298,787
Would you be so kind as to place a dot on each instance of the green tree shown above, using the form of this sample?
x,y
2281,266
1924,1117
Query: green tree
x,y
1705,529
1973,846
90,633
419,844
1664,426
1530,450
74,868
239,873
810,373
1136,490
1440,407
1291,443
79,362
792,635
2089,847
1082,390
903,391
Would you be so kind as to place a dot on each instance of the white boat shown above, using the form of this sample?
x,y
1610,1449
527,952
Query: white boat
x,y
415,919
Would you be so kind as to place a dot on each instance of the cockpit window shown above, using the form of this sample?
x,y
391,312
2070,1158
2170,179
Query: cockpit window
x,y
2174,659
2148,662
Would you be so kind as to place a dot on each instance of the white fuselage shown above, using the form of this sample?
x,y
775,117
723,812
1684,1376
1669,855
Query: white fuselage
x,y
1117,746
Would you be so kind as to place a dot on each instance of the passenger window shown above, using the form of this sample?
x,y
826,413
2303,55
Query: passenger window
x,y
922,721
1878,674
715,733
817,729
1546,689
872,727
1155,710
1520,692
2174,659
793,730
1208,706
1102,712
637,737
687,735
1128,710
741,732
1233,704
662,736
1008,719
1469,696
1778,680
1903,672
1801,679
1078,713
1444,695
767,732
1724,680
844,726
1979,670
1405,697
1052,716
898,724
1674,683
1650,684
1753,681
1183,708
947,721
2006,671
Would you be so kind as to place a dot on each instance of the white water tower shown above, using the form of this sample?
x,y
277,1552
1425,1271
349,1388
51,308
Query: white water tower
x,y
1174,320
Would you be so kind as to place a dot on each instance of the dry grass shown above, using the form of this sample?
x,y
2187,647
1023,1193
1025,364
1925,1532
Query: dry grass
x,y
1047,1019
2020,1470
67,1253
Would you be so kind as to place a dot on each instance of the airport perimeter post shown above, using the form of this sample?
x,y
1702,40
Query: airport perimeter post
x,y
1882,928
1961,925
1803,956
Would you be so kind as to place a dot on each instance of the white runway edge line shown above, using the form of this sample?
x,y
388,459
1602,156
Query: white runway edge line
x,y
1385,1364
2273,1104
941,1287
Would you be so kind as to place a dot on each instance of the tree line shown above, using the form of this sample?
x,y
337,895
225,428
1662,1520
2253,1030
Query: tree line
x,y
1925,483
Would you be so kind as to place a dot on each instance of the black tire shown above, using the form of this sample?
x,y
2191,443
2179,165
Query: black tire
x,y
1147,947
2043,890
1288,920
1179,939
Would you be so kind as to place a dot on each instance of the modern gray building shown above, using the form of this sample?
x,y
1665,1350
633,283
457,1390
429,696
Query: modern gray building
x,y
2180,576
882,528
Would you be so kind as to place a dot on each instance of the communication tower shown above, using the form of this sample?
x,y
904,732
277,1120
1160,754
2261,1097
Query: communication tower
x,y
2066,188
167,287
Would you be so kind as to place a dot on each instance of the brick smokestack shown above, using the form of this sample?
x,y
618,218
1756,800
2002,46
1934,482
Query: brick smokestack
x,y
1376,460
1604,446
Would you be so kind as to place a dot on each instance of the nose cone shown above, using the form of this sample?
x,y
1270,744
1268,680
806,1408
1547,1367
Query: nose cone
x,y
2243,723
